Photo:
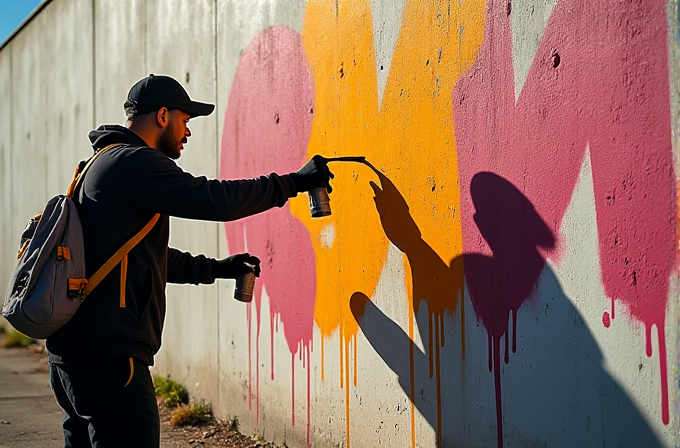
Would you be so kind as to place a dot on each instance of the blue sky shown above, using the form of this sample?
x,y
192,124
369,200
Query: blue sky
x,y
12,13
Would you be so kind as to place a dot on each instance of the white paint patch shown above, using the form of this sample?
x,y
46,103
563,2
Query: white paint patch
x,y
327,236
528,19
391,295
387,16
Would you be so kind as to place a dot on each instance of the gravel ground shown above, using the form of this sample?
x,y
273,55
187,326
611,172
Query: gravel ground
x,y
215,434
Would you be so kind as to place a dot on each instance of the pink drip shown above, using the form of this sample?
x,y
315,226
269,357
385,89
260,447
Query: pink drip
x,y
309,420
257,374
514,332
250,361
490,352
292,376
648,340
663,367
497,384
507,354
272,319
606,320
257,362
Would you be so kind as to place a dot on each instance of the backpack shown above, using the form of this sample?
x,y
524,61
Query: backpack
x,y
48,283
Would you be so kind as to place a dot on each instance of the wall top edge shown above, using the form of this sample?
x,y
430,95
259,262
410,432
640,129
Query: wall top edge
x,y
26,21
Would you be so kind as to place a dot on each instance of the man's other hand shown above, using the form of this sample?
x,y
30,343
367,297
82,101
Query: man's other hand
x,y
237,265
314,174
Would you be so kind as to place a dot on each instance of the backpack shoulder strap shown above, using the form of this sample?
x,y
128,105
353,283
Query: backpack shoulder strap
x,y
79,175
116,258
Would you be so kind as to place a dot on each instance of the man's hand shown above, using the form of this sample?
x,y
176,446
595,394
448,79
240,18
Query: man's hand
x,y
237,265
314,174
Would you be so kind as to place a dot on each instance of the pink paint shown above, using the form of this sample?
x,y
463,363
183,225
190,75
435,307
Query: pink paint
x,y
271,345
609,92
309,401
292,387
266,129
606,320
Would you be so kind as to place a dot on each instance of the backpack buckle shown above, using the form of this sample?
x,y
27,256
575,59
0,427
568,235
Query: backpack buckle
x,y
77,288
63,253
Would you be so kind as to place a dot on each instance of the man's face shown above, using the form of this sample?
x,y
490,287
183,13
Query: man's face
x,y
175,135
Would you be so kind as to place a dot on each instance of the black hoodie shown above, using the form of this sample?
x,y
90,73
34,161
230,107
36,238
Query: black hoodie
x,y
122,190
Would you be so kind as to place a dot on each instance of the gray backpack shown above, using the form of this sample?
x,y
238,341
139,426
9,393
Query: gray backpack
x,y
49,282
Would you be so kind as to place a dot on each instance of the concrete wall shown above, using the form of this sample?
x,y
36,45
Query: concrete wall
x,y
507,277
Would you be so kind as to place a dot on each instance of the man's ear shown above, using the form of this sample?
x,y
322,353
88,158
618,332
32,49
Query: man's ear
x,y
163,117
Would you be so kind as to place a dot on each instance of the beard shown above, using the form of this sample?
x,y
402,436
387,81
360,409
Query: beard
x,y
168,144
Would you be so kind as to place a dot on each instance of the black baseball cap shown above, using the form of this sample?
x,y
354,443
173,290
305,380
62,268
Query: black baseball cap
x,y
157,91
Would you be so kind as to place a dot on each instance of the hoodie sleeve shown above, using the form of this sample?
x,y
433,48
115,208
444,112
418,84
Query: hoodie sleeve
x,y
149,180
186,268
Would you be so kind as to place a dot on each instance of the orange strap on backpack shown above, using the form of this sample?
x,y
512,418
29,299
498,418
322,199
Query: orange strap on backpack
x,y
81,286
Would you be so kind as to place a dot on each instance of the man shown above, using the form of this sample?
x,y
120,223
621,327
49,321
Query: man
x,y
99,361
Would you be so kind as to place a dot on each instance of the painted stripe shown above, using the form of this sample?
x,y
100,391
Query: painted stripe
x,y
123,278
132,372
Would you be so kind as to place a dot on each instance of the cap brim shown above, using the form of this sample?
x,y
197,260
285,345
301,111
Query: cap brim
x,y
196,109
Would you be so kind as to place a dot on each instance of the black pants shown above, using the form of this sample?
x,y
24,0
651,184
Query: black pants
x,y
108,404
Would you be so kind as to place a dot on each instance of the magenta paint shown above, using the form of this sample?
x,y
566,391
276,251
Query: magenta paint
x,y
609,92
273,79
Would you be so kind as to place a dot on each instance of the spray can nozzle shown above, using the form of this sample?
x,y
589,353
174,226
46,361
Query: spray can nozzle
x,y
319,204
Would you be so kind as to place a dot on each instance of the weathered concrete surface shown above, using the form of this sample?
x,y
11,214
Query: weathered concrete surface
x,y
29,415
52,114
7,240
180,42
119,56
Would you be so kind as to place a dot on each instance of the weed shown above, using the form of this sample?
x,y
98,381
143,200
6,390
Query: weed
x,y
171,391
233,424
16,339
190,415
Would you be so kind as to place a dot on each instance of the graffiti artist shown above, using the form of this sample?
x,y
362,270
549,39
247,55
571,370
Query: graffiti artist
x,y
99,361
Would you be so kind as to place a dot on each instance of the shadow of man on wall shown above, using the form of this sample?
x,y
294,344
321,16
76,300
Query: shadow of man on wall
x,y
555,391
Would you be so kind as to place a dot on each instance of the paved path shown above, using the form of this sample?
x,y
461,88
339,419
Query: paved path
x,y
29,414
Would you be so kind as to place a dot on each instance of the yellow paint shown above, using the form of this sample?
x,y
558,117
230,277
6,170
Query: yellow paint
x,y
339,48
410,138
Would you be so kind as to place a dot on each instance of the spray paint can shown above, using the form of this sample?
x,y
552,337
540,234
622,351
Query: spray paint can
x,y
318,197
244,287
319,202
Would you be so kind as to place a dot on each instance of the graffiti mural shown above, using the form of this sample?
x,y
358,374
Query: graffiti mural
x,y
469,179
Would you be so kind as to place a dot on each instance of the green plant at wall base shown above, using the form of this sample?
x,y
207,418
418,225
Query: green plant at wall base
x,y
191,415
233,424
16,339
171,391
